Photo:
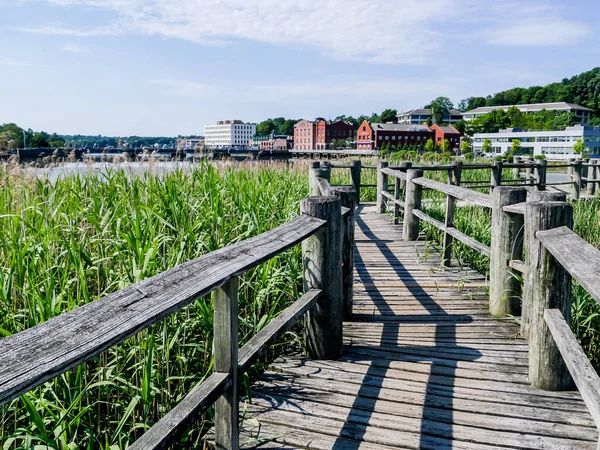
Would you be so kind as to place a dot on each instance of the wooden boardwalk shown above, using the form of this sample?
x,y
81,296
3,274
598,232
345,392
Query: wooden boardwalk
x,y
424,366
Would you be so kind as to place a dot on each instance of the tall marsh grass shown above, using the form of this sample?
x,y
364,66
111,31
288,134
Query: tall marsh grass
x,y
71,242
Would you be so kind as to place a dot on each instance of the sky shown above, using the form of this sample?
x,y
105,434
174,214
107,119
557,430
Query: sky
x,y
168,67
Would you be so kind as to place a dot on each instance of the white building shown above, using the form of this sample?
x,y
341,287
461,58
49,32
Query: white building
x,y
557,145
582,114
418,116
229,133
192,143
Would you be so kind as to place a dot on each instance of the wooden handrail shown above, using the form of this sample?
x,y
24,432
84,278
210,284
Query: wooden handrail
x,y
467,195
41,353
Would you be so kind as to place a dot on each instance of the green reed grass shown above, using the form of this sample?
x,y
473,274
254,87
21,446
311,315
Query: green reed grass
x,y
68,243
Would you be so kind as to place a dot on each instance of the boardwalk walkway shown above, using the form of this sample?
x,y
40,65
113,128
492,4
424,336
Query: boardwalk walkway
x,y
424,366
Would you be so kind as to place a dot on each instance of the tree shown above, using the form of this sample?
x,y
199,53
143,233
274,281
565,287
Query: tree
x,y
265,127
465,146
439,108
487,146
515,146
40,139
389,115
429,145
445,146
579,146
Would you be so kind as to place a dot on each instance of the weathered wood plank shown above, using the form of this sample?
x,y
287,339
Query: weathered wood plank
x,y
578,257
467,195
39,354
585,376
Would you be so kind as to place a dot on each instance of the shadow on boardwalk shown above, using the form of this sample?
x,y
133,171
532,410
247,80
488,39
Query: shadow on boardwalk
x,y
437,416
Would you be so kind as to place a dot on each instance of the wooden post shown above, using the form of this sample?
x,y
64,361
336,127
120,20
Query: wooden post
x,y
397,190
496,179
577,169
540,174
318,170
410,229
382,185
347,195
454,175
322,259
516,172
507,244
529,170
226,361
591,175
404,166
536,196
355,175
547,286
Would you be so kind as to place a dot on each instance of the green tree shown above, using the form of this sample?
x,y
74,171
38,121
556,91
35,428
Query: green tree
x,y
266,127
445,146
389,115
515,146
487,146
465,146
439,108
579,146
429,145
40,139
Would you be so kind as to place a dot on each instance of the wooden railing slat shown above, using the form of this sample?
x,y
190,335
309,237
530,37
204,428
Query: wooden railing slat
x,y
580,368
176,422
578,257
39,354
469,196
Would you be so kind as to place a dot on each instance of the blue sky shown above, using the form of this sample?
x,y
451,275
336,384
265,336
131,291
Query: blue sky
x,y
168,67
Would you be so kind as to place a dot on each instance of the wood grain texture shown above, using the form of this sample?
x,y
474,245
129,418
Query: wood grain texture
x,y
467,195
53,347
424,366
578,257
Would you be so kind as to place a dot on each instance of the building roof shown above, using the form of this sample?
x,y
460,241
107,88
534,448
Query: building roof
x,y
447,129
556,106
423,112
398,127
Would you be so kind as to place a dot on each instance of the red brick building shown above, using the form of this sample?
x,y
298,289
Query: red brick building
x,y
328,130
446,132
305,135
373,136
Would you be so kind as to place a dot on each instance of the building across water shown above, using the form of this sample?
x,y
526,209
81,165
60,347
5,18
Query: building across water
x,y
581,113
229,133
374,135
418,116
557,145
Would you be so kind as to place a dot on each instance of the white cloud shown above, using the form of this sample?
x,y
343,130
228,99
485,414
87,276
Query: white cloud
x,y
75,48
378,31
550,33
13,63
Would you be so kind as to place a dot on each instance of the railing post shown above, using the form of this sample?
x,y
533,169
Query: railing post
x,y
529,170
322,259
505,289
410,229
348,196
577,169
454,175
318,170
382,185
397,190
547,285
540,174
591,175
516,172
496,179
355,176
526,308
226,361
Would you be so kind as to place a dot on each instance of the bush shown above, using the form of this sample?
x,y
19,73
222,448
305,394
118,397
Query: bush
x,y
468,156
539,157
383,153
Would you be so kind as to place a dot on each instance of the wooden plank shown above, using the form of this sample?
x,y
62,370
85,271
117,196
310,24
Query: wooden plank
x,y
259,343
585,376
394,173
462,237
518,208
39,354
177,421
578,257
467,195
517,265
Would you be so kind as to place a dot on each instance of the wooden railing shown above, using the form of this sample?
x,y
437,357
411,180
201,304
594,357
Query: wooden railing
x,y
554,256
326,232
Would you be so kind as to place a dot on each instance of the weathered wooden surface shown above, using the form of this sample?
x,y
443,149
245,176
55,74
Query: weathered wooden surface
x,y
424,366
580,258
469,196
42,352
